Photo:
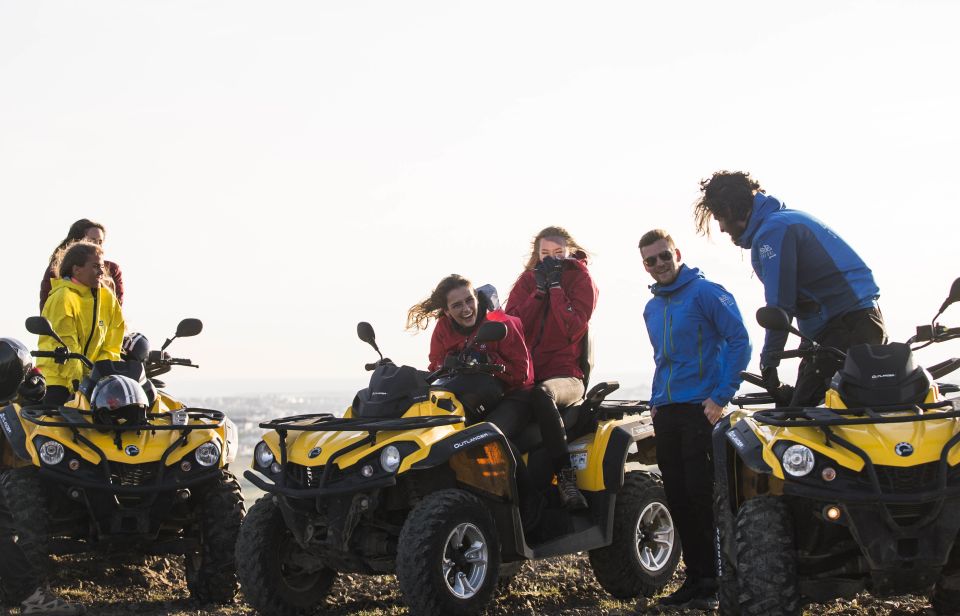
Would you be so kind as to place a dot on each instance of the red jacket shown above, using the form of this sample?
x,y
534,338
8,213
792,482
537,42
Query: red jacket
x,y
511,351
554,323
112,270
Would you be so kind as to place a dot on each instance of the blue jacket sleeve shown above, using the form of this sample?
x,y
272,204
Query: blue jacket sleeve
x,y
775,261
720,307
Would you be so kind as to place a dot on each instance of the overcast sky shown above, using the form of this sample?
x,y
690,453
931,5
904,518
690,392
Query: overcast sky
x,y
285,170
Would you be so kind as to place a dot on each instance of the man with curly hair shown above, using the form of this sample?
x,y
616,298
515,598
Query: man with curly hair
x,y
806,269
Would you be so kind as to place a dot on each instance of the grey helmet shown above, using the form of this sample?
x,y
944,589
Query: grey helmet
x,y
119,397
15,363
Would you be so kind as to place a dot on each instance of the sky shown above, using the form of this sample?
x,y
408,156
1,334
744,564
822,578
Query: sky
x,y
284,170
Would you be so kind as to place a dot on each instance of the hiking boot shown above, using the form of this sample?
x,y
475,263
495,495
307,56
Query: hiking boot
x,y
44,601
687,591
570,495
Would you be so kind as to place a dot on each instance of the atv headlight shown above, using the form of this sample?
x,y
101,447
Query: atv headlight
x,y
51,452
390,458
207,454
798,460
262,456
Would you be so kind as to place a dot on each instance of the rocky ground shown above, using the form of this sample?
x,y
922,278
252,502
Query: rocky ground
x,y
565,585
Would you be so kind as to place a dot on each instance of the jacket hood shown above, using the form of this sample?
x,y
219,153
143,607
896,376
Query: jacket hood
x,y
685,276
763,206
70,285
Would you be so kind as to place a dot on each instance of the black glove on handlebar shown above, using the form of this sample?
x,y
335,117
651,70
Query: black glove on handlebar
x,y
33,388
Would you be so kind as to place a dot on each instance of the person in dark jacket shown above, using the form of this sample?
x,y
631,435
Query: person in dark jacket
x,y
700,345
555,297
459,314
83,230
22,383
806,269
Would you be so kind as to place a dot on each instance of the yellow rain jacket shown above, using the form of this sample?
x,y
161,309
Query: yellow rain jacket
x,y
89,321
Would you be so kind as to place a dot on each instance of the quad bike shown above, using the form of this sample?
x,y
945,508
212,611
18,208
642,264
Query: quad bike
x,y
400,484
151,478
860,494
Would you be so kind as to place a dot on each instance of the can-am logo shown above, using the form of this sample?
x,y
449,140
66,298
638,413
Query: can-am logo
x,y
313,453
131,450
473,439
883,376
903,449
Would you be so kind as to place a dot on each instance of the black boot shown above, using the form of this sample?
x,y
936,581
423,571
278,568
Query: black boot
x,y
570,495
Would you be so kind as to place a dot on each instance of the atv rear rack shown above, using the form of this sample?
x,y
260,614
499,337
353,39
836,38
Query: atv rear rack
x,y
326,422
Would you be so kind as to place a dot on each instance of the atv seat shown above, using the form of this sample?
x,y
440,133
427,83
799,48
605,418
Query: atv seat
x,y
578,419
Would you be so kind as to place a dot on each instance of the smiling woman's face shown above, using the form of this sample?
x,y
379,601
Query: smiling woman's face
x,y
462,306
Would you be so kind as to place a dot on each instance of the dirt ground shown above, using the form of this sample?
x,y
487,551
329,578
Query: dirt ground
x,y
559,586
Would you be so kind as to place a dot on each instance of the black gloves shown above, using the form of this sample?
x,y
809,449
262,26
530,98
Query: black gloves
x,y
781,392
34,387
548,273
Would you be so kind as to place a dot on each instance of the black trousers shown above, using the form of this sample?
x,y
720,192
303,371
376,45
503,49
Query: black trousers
x,y
684,454
548,398
814,374
15,570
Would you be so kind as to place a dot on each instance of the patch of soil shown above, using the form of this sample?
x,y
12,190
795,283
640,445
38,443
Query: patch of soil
x,y
154,586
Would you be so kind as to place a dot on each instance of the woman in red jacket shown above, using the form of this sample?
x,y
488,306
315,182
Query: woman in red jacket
x,y
459,314
84,230
554,298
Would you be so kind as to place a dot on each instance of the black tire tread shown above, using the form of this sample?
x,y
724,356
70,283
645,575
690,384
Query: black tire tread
x,y
27,503
766,559
614,566
222,510
258,583
425,523
727,586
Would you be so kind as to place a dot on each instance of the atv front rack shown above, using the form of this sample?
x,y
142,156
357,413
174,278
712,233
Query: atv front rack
x,y
798,416
74,419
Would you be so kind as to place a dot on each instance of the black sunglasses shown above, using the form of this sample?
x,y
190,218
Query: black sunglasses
x,y
666,255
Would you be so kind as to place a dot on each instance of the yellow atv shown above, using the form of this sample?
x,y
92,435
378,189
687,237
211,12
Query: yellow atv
x,y
124,466
860,494
400,484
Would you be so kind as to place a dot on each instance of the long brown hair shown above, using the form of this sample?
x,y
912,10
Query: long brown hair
x,y
74,254
419,315
77,232
553,234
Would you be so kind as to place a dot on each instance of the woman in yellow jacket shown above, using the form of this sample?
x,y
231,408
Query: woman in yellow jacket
x,y
85,314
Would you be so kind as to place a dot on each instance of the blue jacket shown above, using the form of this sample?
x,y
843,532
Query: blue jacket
x,y
699,342
806,269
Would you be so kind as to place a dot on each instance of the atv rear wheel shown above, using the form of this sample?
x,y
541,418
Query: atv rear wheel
x,y
212,571
946,595
645,548
448,556
25,498
270,565
767,559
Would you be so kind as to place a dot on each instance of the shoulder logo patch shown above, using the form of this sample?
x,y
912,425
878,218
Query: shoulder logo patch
x,y
726,300
766,252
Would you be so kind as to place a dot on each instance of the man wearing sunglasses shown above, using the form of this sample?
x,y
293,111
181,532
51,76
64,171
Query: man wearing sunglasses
x,y
806,269
700,345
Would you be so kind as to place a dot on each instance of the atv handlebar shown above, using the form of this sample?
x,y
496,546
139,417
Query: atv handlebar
x,y
60,355
807,352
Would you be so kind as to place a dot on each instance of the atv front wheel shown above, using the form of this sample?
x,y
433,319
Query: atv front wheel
x,y
212,571
271,565
645,550
726,546
27,503
448,556
767,559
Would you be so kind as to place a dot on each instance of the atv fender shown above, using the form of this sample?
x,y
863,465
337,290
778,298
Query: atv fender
x,y
231,441
748,447
13,431
624,439
468,440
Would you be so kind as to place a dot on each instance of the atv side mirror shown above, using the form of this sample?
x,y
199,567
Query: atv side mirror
x,y
491,331
189,327
776,319
952,298
41,327
365,333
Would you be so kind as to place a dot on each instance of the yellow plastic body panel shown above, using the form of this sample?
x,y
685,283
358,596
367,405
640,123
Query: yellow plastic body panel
x,y
878,441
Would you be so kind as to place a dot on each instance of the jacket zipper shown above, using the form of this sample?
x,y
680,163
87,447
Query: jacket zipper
x,y
668,343
93,324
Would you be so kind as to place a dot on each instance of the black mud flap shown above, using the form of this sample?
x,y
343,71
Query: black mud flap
x,y
13,431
